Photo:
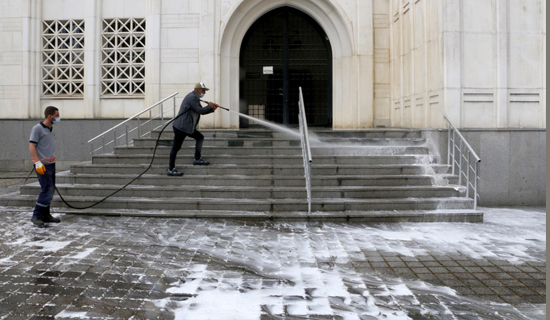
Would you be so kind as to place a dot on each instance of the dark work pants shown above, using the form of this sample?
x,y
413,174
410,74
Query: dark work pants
x,y
179,136
47,182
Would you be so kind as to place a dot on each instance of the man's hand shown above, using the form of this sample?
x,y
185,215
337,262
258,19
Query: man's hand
x,y
39,168
214,105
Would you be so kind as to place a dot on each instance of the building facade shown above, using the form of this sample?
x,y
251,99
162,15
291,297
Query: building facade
x,y
362,64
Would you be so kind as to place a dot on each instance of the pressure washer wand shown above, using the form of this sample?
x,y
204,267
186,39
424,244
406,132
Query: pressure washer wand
x,y
218,105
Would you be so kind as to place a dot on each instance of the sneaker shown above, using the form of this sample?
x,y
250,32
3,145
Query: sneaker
x,y
49,218
37,222
174,173
200,162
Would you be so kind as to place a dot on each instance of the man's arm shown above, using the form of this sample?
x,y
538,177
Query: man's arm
x,y
196,106
32,150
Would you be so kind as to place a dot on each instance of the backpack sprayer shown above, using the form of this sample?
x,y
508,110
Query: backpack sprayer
x,y
131,181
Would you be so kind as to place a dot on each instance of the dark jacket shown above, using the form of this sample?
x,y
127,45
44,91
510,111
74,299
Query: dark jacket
x,y
191,110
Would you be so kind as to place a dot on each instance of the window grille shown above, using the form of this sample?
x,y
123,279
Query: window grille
x,y
123,57
63,58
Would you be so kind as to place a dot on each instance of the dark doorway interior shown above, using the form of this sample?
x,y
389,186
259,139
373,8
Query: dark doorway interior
x,y
283,50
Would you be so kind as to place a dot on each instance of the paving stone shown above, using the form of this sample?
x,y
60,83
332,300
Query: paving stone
x,y
512,299
523,291
537,299
131,274
466,263
446,276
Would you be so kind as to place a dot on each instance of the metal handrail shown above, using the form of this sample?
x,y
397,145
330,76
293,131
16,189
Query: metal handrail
x,y
461,147
126,124
306,149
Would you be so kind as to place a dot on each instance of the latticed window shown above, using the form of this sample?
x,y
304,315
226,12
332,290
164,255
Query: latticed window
x,y
63,58
123,57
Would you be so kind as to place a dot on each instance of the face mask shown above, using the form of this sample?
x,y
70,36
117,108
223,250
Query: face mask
x,y
201,94
57,120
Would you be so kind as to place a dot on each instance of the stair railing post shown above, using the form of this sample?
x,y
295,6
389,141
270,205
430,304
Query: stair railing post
x,y
468,177
454,151
449,145
475,185
471,153
460,164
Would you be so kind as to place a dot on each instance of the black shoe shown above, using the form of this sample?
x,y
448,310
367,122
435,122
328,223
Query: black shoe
x,y
49,218
174,173
200,162
37,222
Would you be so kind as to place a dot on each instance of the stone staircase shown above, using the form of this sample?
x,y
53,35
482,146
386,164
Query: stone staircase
x,y
376,175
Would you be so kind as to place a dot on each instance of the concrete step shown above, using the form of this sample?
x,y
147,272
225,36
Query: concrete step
x,y
251,170
374,175
389,216
253,181
314,133
273,142
263,159
222,204
442,215
207,150
246,192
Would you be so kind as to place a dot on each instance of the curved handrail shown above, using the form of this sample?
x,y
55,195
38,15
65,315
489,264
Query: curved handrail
x,y
138,127
463,139
133,117
454,146
306,149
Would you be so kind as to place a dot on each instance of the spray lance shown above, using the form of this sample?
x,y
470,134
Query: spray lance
x,y
226,109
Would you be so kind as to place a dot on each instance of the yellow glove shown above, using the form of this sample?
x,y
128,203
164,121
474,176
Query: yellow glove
x,y
39,168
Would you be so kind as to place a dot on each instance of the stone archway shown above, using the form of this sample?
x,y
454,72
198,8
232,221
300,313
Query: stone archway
x,y
330,17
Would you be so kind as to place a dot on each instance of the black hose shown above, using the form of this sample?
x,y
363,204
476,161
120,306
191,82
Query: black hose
x,y
120,189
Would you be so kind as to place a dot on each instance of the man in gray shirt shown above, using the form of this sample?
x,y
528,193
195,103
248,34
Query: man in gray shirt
x,y
186,125
42,150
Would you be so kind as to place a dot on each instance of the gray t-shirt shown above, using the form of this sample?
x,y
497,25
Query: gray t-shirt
x,y
45,142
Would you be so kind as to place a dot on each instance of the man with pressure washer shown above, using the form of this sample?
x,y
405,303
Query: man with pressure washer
x,y
42,149
186,124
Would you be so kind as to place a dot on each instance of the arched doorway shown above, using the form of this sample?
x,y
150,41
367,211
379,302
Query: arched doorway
x,y
283,50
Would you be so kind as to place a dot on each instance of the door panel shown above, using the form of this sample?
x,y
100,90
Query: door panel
x,y
299,53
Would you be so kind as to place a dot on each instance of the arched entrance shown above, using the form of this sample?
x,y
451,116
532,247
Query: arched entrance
x,y
285,49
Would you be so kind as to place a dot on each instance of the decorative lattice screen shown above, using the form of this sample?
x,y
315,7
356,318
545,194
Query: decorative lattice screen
x,y
123,57
63,58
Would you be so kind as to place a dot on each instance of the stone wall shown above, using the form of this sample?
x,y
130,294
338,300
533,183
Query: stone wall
x,y
481,63
513,164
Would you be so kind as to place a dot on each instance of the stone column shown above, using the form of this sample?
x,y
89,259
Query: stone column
x,y
208,38
452,57
92,59
365,61
382,70
502,64
31,67
152,52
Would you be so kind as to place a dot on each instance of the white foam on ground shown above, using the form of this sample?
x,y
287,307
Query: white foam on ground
x,y
306,264
311,281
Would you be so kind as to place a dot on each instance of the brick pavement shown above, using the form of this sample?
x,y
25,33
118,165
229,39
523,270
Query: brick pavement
x,y
153,268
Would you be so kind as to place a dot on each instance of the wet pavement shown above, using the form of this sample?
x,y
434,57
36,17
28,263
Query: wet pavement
x,y
155,268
